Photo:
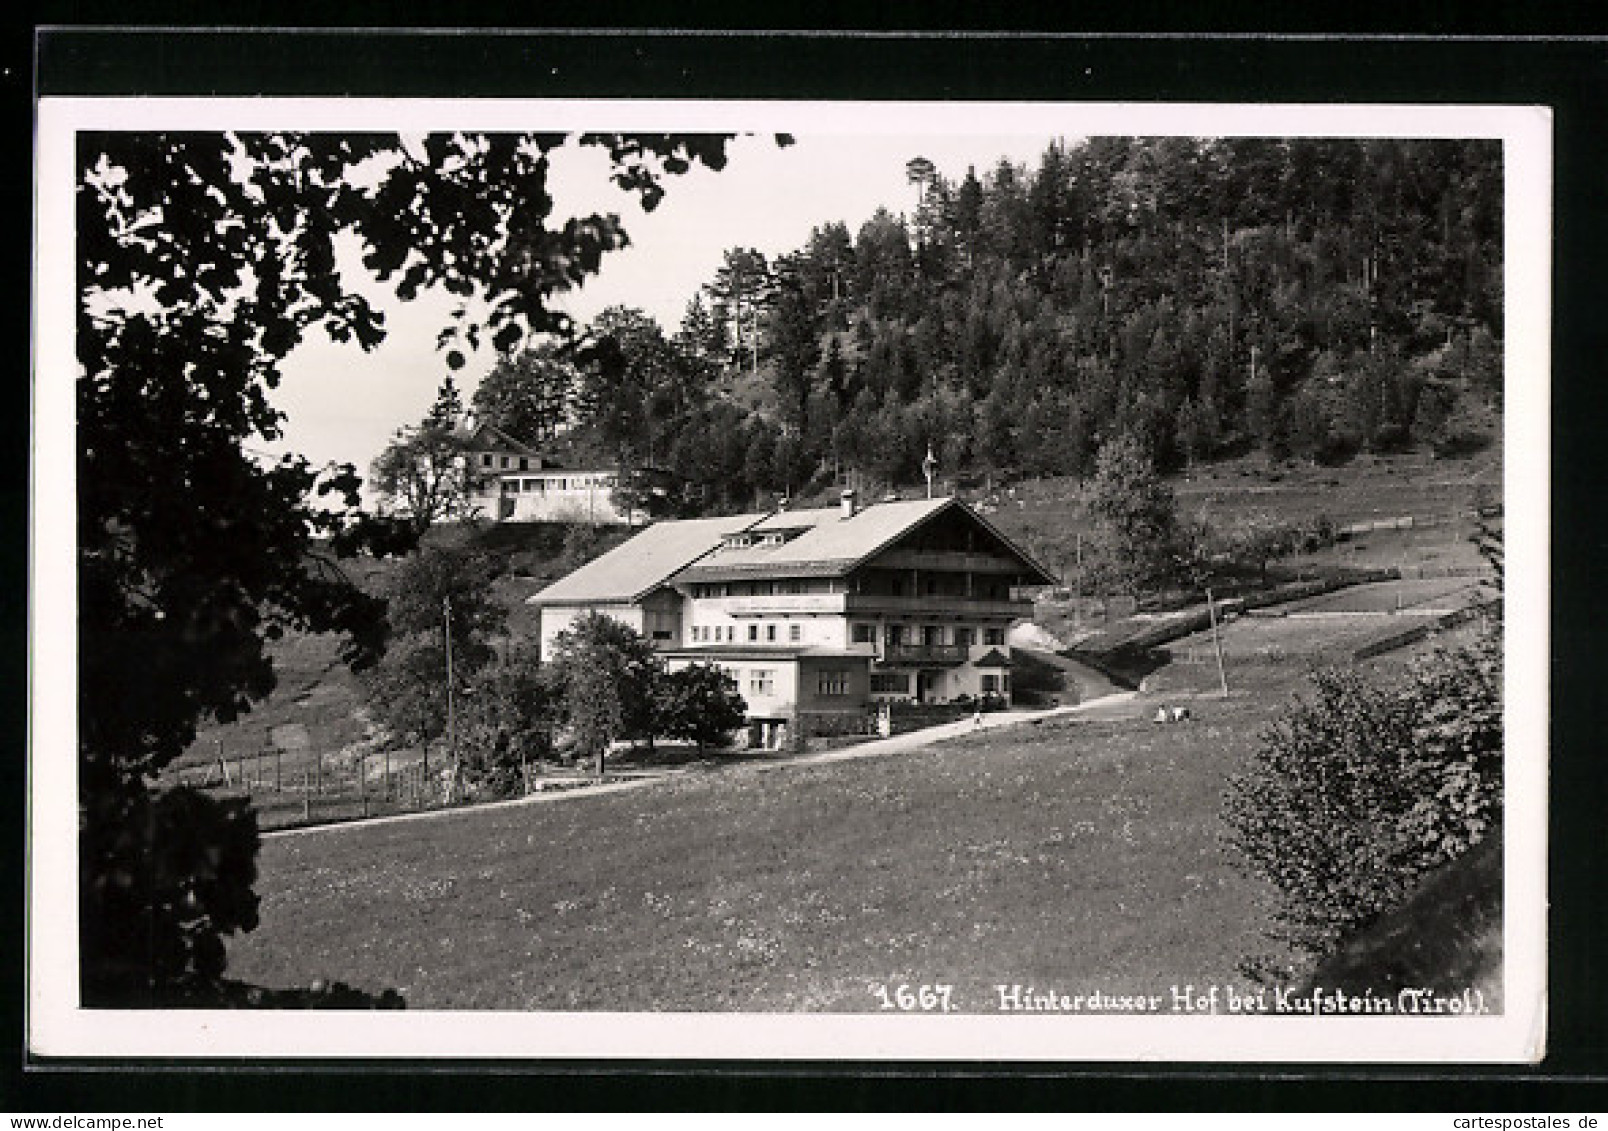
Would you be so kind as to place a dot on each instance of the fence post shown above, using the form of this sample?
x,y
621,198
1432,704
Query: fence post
x,y
279,767
307,798
362,786
318,770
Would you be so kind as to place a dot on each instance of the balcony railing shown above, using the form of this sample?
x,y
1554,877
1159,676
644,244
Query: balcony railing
x,y
782,603
870,603
933,604
923,653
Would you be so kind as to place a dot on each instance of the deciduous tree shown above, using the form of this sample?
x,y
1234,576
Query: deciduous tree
x,y
1136,529
528,395
700,703
608,674
204,259
425,473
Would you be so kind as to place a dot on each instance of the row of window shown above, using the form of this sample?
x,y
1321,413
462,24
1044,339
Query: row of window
x,y
788,586
898,683
762,538
960,635
756,634
542,486
832,683
489,460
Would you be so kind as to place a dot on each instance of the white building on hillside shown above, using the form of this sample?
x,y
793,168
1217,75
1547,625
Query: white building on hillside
x,y
820,612
513,482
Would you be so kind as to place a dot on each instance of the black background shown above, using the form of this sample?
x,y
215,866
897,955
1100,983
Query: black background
x,y
1424,54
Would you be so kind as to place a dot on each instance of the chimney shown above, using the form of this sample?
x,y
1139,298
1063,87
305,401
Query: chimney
x,y
848,502
782,503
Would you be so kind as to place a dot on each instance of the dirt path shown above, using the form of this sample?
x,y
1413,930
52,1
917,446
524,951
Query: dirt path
x,y
1116,703
1084,681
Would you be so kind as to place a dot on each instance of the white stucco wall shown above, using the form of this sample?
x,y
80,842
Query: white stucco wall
x,y
556,620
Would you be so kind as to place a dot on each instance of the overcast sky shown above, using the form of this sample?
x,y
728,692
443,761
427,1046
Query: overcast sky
x,y
343,405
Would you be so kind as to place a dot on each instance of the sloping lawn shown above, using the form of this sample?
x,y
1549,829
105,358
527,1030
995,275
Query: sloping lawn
x,y
1075,853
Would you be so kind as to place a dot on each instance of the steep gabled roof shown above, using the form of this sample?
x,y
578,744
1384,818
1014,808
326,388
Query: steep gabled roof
x,y
831,545
643,562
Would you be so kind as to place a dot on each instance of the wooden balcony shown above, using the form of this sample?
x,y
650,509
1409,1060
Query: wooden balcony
x,y
948,561
945,654
868,604
937,606
782,603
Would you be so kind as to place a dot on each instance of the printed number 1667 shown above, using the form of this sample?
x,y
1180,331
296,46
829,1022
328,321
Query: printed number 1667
x,y
913,998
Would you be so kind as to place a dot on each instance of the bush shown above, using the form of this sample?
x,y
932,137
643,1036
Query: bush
x,y
1361,788
699,703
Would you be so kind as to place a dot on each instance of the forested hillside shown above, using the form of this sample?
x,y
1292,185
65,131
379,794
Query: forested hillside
x,y
1308,298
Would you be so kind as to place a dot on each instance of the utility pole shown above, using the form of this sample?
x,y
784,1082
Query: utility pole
x,y
1077,600
452,738
1217,642
928,466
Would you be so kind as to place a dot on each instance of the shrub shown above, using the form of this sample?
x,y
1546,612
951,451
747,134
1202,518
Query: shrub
x,y
1361,788
699,703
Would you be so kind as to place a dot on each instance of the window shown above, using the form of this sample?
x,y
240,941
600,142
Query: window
x,y
833,682
795,632
893,634
963,637
891,683
990,685
770,633
761,681
753,633
505,461
932,634
865,634
993,636
485,459
524,463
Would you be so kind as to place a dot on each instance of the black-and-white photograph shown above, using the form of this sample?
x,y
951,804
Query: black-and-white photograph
x,y
823,580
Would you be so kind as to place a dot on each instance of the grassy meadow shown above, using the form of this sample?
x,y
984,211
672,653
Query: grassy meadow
x,y
1066,852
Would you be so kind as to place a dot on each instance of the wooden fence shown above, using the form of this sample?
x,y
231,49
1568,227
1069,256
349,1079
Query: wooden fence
x,y
302,787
